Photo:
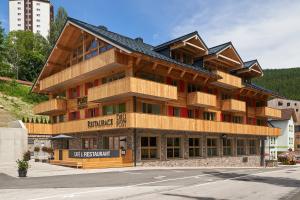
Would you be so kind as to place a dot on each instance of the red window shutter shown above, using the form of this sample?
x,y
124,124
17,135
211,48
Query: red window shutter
x,y
221,117
70,116
78,115
97,111
169,80
196,113
170,111
86,112
181,86
254,121
70,93
78,90
96,82
183,112
86,87
254,103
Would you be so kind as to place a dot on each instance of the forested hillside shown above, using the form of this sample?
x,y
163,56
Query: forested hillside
x,y
284,81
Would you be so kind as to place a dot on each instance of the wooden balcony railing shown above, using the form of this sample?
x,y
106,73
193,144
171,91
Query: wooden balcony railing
x,y
228,80
39,129
132,86
84,69
201,99
233,105
159,122
268,112
50,107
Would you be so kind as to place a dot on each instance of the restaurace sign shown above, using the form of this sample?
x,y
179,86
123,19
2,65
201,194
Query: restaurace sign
x,y
100,123
93,153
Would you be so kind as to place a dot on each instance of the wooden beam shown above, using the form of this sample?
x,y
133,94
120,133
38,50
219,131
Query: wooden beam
x,y
55,64
182,74
176,46
170,69
63,48
226,58
195,76
138,60
154,66
195,46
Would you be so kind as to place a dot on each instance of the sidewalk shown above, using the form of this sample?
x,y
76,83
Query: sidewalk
x,y
38,169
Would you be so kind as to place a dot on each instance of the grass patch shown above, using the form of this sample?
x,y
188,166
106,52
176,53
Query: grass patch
x,y
15,89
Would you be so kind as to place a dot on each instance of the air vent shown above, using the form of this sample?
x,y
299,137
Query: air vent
x,y
103,27
139,39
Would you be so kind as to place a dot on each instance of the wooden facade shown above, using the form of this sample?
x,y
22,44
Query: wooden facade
x,y
96,85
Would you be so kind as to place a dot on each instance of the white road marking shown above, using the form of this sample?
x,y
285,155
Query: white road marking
x,y
132,173
159,177
160,181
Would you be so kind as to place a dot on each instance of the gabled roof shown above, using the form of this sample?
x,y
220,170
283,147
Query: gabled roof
x,y
261,89
218,48
250,63
132,45
181,38
248,66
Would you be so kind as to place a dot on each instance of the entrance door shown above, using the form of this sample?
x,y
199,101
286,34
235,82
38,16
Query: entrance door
x,y
60,154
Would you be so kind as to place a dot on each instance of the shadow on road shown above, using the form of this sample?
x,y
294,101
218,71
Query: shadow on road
x,y
279,181
192,197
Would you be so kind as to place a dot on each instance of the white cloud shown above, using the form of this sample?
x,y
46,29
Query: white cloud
x,y
268,31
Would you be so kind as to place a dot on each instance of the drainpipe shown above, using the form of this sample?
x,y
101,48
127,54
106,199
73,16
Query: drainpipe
x,y
262,152
134,132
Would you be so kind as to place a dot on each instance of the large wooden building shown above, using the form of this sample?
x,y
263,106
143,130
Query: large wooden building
x,y
125,102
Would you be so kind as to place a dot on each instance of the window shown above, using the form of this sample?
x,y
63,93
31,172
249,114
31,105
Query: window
x,y
114,143
74,92
291,140
173,147
190,113
38,9
19,19
19,8
288,104
252,147
195,149
91,112
297,110
187,59
38,20
19,2
176,111
89,143
291,128
151,108
280,103
227,147
113,77
241,150
225,96
209,116
38,26
212,148
19,24
194,88
38,15
226,117
295,104
151,77
74,115
148,148
272,140
237,119
113,109
19,13
260,122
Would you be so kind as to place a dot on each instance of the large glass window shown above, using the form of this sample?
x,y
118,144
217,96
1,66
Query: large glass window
x,y
89,143
212,147
194,88
252,147
209,116
151,108
241,147
173,147
114,143
113,109
148,148
176,111
237,119
151,77
195,149
113,77
227,147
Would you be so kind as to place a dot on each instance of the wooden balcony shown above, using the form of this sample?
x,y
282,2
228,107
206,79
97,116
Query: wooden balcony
x,y
148,121
268,112
53,106
39,129
201,99
228,81
233,105
131,86
85,69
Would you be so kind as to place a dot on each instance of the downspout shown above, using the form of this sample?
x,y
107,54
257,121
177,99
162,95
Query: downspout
x,y
134,132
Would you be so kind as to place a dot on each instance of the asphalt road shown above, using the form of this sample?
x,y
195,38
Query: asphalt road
x,y
198,184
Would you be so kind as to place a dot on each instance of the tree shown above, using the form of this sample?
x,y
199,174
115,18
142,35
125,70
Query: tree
x,y
57,25
5,69
26,52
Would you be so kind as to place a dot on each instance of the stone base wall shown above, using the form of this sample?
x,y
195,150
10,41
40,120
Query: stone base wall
x,y
253,161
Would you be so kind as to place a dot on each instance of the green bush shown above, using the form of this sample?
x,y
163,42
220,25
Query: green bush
x,y
22,164
26,156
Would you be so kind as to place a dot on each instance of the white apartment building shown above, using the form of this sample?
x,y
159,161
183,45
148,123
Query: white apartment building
x,y
286,104
33,15
287,137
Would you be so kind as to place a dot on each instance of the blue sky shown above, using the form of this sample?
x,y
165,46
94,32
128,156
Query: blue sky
x,y
267,30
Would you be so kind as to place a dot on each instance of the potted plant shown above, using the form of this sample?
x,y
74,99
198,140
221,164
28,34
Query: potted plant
x,y
22,167
26,156
36,149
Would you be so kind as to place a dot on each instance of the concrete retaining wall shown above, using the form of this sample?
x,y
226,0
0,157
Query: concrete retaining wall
x,y
13,142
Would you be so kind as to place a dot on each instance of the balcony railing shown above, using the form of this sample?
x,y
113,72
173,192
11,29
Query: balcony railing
x,y
84,69
201,99
39,129
130,86
228,81
233,105
268,112
148,121
50,107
